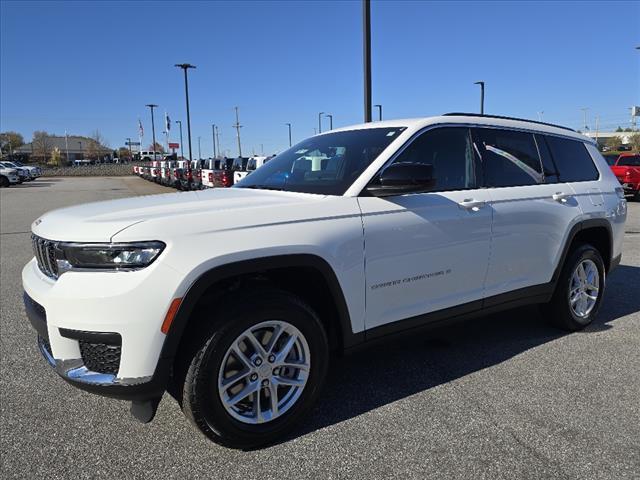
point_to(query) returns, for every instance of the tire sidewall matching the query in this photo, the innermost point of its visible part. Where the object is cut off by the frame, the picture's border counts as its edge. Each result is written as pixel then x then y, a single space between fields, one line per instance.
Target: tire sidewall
pixel 213 414
pixel 585 252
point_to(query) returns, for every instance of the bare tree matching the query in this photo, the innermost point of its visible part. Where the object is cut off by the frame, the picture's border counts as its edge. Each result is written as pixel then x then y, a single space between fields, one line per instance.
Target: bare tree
pixel 42 145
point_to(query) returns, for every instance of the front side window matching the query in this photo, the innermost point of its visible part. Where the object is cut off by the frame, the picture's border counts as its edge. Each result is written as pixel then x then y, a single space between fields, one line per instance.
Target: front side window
pixel 549 168
pixel 449 151
pixel 573 160
pixel 325 164
pixel 509 158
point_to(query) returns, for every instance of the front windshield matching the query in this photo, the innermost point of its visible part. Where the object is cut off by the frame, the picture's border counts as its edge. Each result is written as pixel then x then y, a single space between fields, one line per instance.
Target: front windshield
pixel 326 164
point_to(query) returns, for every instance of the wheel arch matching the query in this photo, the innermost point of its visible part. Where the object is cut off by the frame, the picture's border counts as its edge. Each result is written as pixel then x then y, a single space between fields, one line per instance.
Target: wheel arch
pixel 596 231
pixel 257 266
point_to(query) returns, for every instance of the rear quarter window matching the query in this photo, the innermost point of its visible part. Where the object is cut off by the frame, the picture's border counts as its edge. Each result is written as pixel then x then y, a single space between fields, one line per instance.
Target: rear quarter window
pixel 572 159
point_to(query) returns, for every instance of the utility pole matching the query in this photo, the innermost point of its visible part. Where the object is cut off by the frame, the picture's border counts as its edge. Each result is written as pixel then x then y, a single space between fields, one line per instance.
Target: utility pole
pixel 237 126
pixel 153 128
pixel 379 107
pixel 584 111
pixel 540 114
pixel 130 152
pixel 213 137
pixel 199 151
pixel 330 121
pixel 320 122
pixel 481 96
pixel 179 122
pixel 185 67
pixel 66 144
pixel 366 54
pixel 218 140
pixel 289 125
pixel 597 126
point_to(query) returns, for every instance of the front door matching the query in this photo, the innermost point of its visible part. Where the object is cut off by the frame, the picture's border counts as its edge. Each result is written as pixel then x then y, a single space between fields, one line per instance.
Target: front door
pixel 428 251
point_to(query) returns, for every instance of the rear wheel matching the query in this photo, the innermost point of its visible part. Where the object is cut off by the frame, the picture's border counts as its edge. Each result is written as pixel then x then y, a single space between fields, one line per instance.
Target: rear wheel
pixel 4 182
pixel 259 368
pixel 579 291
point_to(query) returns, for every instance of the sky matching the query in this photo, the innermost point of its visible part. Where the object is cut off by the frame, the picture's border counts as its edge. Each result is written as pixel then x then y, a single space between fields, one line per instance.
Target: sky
pixel 80 66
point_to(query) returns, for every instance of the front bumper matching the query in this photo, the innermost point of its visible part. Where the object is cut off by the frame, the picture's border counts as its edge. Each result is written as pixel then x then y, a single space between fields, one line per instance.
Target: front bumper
pixel 76 372
pixel 129 305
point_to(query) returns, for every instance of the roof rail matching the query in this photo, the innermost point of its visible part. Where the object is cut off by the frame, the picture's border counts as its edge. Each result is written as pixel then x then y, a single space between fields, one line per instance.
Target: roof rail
pixel 460 114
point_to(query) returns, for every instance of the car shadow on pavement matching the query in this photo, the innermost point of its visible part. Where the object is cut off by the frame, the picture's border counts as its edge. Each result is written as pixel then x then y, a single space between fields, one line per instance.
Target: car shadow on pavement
pixel 399 368
pixel 32 185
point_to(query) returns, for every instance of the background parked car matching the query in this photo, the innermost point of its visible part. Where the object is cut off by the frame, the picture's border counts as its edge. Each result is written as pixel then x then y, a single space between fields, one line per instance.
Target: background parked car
pixel 34 170
pixel 8 176
pixel 627 171
pixel 23 173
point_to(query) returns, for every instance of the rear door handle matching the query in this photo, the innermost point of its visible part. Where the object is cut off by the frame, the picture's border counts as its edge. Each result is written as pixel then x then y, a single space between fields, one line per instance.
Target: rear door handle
pixel 561 197
pixel 472 204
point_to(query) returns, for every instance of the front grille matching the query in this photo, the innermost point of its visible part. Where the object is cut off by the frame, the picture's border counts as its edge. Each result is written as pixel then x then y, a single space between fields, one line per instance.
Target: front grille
pixel 44 250
pixel 100 357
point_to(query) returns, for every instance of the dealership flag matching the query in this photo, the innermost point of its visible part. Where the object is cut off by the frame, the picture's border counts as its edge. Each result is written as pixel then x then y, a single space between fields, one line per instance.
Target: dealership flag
pixel 167 120
pixel 140 129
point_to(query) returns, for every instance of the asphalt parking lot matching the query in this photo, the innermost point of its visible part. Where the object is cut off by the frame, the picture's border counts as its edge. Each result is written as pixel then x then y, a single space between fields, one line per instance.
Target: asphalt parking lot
pixel 504 396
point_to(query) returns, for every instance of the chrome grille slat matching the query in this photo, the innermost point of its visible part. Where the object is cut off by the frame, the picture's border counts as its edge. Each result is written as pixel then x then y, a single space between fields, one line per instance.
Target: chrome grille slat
pixel 45 256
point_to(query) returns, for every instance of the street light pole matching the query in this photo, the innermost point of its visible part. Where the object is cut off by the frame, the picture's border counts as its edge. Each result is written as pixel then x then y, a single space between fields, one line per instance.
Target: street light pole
pixel 218 140
pixel 213 137
pixel 366 42
pixel 379 107
pixel 481 96
pixel 153 128
pixel 330 120
pixel 185 67
pixel 199 151
pixel 237 126
pixel 130 152
pixel 289 125
pixel 320 122
pixel 584 111
pixel 179 122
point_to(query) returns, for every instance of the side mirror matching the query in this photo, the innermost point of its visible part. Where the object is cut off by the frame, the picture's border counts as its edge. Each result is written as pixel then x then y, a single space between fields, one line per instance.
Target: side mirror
pixel 404 177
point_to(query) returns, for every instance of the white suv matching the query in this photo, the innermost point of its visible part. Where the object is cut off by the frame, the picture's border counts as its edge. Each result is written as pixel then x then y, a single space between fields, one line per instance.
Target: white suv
pixel 348 236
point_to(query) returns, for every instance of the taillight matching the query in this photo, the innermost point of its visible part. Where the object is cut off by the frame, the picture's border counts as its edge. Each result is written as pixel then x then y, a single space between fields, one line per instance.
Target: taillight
pixel 189 175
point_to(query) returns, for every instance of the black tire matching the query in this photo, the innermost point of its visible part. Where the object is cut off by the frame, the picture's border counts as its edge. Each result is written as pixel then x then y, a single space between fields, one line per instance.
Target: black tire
pixel 559 309
pixel 200 394
pixel 4 182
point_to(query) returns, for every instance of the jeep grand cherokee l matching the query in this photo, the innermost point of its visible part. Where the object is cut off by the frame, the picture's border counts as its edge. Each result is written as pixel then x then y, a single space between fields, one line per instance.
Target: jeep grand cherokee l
pixel 346 237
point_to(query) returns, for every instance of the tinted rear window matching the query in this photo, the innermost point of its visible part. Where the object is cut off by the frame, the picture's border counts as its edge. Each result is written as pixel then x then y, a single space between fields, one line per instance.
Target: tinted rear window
pixel 509 158
pixel 572 159
pixel 549 168
pixel 631 161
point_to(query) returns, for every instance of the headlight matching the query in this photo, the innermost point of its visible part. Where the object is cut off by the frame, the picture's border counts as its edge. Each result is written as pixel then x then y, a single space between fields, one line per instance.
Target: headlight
pixel 107 256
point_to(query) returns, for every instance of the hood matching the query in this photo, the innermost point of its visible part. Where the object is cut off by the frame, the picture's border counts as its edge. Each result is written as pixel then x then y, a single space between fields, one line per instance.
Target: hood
pixel 101 221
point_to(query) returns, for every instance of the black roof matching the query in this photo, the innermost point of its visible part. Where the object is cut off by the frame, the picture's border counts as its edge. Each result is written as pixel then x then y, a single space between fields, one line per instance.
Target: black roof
pixel 484 115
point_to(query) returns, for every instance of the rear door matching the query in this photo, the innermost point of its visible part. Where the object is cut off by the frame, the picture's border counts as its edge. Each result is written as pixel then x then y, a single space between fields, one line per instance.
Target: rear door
pixel 428 251
pixel 532 209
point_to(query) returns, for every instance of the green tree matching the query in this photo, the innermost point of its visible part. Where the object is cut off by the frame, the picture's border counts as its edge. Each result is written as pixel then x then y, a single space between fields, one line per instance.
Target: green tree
pixel 619 129
pixel 159 148
pixel 634 140
pixel 9 141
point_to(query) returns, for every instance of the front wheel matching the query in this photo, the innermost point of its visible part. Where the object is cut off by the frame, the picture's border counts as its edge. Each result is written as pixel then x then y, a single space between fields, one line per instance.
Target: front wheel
pixel 259 370
pixel 4 182
pixel 579 291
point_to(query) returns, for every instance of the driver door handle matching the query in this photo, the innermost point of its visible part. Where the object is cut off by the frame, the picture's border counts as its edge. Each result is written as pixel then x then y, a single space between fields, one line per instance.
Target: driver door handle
pixel 561 197
pixel 472 204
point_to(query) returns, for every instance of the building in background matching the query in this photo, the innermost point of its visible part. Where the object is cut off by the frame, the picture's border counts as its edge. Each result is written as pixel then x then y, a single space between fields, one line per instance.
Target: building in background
pixel 64 150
